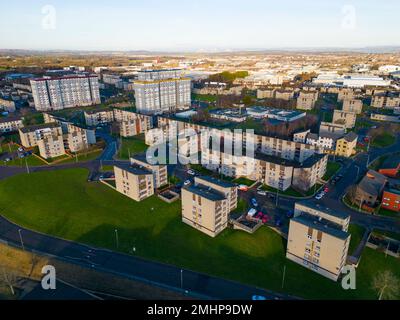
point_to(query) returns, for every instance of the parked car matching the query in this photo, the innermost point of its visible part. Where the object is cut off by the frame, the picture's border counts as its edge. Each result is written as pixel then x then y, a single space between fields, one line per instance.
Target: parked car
pixel 191 172
pixel 243 187
pixel 261 193
pixel 271 196
pixel 326 189
pixel 254 202
pixel 289 214
pixel 278 222
pixel 257 297
pixel 318 196
pixel 187 182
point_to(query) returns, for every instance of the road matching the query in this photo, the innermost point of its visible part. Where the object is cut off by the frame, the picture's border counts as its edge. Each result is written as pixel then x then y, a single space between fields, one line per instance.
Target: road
pixel 193 284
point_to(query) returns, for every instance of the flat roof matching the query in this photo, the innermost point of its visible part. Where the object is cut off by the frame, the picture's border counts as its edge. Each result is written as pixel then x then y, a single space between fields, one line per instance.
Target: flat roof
pixel 9 119
pixel 316 206
pixel 134 169
pixel 218 182
pixel 206 192
pixel 39 126
pixel 322 225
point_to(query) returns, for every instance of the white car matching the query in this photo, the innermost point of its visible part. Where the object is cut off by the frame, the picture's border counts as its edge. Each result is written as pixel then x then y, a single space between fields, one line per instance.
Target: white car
pixel 187 182
pixel 261 193
pixel 319 196
pixel 191 172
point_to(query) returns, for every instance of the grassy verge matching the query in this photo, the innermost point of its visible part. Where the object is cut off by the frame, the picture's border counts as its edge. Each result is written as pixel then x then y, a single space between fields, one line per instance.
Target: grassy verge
pixel 90 213
pixel 204 97
pixel 383 140
pixel 357 233
pixel 245 181
pixel 331 170
pixel 131 146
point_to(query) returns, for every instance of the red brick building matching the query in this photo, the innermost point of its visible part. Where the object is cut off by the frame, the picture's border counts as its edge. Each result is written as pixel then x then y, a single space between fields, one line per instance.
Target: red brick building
pixel 391 200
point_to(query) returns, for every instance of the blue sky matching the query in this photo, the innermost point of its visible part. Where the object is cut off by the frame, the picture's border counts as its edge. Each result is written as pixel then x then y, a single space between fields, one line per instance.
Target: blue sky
pixel 198 24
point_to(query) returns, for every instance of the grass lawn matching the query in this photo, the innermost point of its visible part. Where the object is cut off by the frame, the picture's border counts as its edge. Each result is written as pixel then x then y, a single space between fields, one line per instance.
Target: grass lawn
pixel 357 233
pixel 82 157
pixel 331 170
pixel 131 146
pixel 388 213
pixel 393 235
pixel 245 181
pixel 383 140
pixel 204 97
pixel 31 160
pixel 90 212
pixel 107 168
pixel 292 192
pixel 200 169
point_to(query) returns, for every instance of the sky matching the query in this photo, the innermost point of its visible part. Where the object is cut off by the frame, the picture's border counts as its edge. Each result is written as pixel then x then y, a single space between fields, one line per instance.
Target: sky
pixel 197 25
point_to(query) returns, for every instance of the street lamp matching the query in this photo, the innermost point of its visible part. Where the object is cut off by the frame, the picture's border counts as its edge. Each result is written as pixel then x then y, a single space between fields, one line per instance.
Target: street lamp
pixel 20 237
pixel 116 238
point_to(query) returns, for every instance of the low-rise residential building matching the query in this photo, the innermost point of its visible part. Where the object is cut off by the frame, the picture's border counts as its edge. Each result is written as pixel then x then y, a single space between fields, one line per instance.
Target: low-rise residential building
pixel 51 146
pixel 391 199
pixel 385 117
pixel 7 105
pixel 266 93
pixel 347 118
pixel 318 239
pixel 205 208
pixel 352 105
pixel 10 124
pixel 134 181
pixel 370 189
pixel 159 171
pixel 346 145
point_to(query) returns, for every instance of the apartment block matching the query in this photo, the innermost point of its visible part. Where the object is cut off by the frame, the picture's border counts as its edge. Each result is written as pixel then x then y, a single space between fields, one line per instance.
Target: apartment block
pixel 30 135
pixel 346 94
pixel 65 92
pixel 385 101
pixel 385 117
pixel 284 94
pixel 347 118
pixel 51 146
pixel 391 199
pixel 76 139
pixel 158 91
pixel 346 145
pixel 227 188
pixel 306 100
pixel 132 123
pixel 134 181
pixel 159 171
pixel 332 128
pixel 10 124
pixel 318 239
pixel 97 117
pixel 352 105
pixel 265 93
pixel 205 208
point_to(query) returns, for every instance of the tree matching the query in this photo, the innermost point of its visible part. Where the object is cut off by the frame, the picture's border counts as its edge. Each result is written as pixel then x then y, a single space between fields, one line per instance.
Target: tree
pixel 8 278
pixel 387 285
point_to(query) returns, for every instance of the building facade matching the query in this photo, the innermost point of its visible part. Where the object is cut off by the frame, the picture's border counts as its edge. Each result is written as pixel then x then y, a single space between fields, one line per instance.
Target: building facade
pixel 65 92
pixel 318 239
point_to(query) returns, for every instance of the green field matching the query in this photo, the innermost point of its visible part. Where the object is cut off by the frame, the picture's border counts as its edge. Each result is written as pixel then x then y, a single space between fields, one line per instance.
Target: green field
pixel 331 170
pixel 131 146
pixel 383 140
pixel 204 97
pixel 90 212
pixel 245 181
pixel 357 233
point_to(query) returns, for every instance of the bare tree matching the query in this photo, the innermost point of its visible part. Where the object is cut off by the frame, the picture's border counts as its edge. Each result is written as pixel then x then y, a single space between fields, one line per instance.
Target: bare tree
pixel 8 278
pixel 387 285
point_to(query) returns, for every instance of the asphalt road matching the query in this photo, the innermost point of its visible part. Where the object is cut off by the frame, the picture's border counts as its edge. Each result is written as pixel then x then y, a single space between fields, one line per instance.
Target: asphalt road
pixel 193 284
